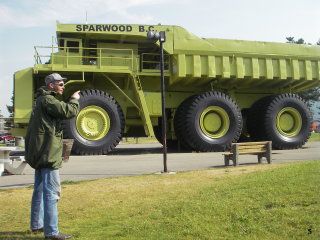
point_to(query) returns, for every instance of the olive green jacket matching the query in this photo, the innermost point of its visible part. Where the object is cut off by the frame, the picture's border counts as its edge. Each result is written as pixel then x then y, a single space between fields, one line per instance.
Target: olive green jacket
pixel 43 142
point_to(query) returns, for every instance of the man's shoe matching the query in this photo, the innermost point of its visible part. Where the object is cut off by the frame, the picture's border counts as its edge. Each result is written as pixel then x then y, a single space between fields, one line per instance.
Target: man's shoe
pixel 37 231
pixel 59 236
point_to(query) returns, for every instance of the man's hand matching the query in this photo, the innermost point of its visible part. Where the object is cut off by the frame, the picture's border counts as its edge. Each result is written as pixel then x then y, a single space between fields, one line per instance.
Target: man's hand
pixel 76 95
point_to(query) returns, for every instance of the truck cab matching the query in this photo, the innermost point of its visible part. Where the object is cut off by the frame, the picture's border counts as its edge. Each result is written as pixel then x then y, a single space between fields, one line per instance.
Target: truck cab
pixel 70 52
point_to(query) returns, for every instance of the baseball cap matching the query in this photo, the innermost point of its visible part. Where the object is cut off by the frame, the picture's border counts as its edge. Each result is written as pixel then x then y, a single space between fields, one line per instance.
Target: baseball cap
pixel 54 77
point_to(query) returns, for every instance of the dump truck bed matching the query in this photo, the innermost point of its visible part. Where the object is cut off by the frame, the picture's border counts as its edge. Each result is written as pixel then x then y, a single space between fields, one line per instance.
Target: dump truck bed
pixel 235 63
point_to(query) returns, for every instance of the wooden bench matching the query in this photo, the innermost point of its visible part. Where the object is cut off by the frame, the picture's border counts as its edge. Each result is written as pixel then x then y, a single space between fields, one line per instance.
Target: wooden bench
pixel 261 149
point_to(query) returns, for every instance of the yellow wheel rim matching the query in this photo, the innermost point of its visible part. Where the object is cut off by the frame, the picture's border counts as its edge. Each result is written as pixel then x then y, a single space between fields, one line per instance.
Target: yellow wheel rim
pixel 214 122
pixel 93 123
pixel 289 122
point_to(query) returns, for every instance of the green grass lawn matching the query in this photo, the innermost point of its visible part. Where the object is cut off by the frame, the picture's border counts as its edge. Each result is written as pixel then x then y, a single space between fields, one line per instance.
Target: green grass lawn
pixel 278 201
pixel 314 137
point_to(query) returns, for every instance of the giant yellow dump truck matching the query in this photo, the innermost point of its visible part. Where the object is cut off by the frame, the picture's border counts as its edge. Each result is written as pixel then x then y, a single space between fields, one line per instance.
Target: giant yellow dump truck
pixel 216 90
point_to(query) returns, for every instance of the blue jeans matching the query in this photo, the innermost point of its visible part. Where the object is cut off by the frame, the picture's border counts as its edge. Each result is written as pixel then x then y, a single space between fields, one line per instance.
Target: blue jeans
pixel 46 193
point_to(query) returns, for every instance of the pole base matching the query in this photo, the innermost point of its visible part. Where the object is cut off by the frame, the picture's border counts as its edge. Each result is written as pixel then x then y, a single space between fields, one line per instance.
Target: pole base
pixel 165 173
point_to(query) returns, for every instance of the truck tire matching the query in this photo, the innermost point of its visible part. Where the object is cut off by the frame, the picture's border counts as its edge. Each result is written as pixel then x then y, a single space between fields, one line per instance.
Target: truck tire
pixel 212 122
pixel 256 117
pixel 179 123
pixel 99 125
pixel 288 121
pixel 171 143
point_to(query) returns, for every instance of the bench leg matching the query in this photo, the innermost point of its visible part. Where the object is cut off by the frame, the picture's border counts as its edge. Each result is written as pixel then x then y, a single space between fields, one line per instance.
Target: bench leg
pixel 226 160
pixel 260 158
pixel 269 152
pixel 269 159
pixel 15 170
pixel 1 168
pixel 235 160
pixel 235 155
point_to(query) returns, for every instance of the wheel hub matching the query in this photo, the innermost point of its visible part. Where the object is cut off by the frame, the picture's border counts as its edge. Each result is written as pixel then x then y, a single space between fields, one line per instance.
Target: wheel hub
pixel 289 122
pixel 93 123
pixel 214 122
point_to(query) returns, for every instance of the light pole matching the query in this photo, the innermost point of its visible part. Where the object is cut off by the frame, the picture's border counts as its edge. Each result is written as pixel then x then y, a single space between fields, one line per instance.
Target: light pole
pixel 161 37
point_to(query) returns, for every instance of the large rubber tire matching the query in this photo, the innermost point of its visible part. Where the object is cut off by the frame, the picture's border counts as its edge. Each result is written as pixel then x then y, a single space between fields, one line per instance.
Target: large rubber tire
pixel 256 119
pixel 99 125
pixel 158 133
pixel 212 122
pixel 171 143
pixel 288 122
pixel 179 123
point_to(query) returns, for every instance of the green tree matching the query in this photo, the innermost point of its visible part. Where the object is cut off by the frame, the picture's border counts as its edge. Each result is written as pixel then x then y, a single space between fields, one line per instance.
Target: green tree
pixel 10 108
pixel 299 41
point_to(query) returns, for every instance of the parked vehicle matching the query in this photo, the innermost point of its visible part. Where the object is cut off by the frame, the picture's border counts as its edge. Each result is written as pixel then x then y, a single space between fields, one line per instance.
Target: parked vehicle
pixel 216 90
pixel 6 136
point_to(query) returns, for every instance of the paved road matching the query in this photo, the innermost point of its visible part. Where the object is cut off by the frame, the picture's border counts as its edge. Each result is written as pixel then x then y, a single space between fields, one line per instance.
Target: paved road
pixel 136 159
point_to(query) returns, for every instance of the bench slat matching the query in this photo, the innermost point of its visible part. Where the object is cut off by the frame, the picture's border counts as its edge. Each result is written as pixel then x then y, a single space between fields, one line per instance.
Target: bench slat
pixel 256 152
pixel 241 153
pixel 252 149
pixel 250 143
pixel 260 145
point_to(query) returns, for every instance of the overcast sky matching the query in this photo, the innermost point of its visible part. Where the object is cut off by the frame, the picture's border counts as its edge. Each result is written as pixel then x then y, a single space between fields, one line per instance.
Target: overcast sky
pixel 24 24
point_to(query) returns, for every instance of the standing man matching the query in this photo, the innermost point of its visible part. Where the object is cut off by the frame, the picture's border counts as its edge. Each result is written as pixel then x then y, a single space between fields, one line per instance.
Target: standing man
pixel 43 152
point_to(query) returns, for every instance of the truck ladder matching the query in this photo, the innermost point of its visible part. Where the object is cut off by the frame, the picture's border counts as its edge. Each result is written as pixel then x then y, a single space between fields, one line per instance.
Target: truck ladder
pixel 144 112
